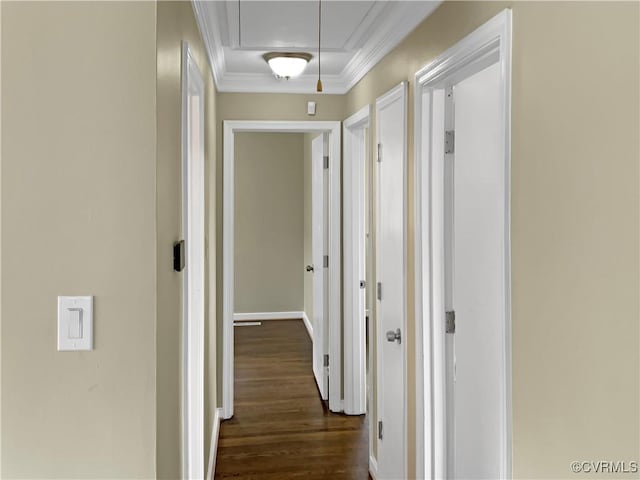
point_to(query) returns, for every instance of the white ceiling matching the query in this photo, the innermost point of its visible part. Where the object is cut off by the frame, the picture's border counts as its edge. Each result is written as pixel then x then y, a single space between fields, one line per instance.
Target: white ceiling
pixel 355 36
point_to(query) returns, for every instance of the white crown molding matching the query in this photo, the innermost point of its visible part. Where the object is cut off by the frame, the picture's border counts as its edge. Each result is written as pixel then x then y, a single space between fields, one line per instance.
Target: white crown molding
pixel 211 38
pixel 391 25
pixel 358 37
pixel 400 22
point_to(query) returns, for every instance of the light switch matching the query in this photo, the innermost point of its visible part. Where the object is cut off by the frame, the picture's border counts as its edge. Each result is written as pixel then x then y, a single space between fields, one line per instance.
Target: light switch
pixel 75 323
pixel 311 108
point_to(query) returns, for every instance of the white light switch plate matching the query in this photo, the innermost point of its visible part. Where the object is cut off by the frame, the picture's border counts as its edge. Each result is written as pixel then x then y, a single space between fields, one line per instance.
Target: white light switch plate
pixel 75 323
pixel 311 108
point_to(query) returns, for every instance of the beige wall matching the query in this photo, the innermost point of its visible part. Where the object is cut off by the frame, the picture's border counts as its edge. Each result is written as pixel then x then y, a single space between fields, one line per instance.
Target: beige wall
pixel 269 229
pixel 279 106
pixel 103 218
pixel 78 218
pixel 106 172
pixel 575 211
pixel 176 23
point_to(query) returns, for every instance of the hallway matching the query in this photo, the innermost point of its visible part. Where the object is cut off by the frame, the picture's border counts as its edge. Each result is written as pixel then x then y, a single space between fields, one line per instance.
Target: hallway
pixel 281 429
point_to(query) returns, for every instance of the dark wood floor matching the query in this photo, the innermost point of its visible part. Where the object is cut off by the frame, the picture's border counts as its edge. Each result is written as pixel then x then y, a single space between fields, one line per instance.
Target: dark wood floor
pixel 281 429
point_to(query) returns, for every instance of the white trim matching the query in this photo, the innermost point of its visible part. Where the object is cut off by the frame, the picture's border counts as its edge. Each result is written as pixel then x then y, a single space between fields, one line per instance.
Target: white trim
pixel 488 44
pixel 384 33
pixel 307 325
pixel 1 243
pixel 399 92
pixel 240 317
pixel 259 316
pixel 403 22
pixel 228 274
pixel 213 448
pixel 193 314
pixel 210 38
pixel 354 259
pixel 373 465
pixel 184 444
pixel 360 119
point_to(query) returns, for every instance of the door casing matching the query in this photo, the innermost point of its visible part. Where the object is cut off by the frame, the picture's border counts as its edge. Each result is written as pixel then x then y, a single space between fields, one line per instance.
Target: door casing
pixel 193 284
pixel 334 315
pixel 489 44
pixel 354 210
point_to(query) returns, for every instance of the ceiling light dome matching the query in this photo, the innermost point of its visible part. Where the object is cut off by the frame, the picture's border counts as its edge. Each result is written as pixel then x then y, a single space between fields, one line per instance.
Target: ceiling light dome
pixel 287 64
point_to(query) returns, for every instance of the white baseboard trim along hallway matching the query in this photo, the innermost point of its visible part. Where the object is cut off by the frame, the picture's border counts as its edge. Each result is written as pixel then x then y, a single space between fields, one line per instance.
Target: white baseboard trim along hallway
pixel 213 449
pixel 373 467
pixel 267 316
pixel 296 315
pixel 307 323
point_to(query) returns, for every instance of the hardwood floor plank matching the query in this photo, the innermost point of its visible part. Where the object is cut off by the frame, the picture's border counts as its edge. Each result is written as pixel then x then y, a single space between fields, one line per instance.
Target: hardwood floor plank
pixel 281 428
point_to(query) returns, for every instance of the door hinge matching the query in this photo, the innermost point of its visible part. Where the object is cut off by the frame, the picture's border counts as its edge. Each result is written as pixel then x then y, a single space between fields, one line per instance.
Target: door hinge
pixel 450 321
pixel 380 429
pixel 379 152
pixel 325 261
pixel 326 161
pixel 449 141
pixel 363 284
pixel 326 360
pixel 379 291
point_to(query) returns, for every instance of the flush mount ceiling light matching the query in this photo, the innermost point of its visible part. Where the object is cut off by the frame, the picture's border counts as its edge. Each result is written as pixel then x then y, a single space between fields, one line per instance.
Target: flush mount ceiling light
pixel 287 64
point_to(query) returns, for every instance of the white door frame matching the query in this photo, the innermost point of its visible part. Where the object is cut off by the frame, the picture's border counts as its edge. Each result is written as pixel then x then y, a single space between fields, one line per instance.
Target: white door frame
pixel 193 207
pixel 354 210
pixel 399 92
pixel 319 249
pixel 228 275
pixel 487 45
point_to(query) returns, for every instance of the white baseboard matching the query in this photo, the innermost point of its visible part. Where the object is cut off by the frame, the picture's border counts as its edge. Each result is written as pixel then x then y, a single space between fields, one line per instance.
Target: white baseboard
pixel 373 468
pixel 213 451
pixel 267 316
pixel 307 324
pixel 243 317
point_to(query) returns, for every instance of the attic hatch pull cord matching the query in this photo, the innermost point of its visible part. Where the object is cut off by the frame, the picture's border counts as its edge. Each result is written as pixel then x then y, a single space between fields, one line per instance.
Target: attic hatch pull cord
pixel 319 84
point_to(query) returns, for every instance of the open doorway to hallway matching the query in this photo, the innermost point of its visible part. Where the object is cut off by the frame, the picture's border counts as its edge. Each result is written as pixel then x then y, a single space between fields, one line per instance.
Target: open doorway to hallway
pixel 284 411
pixel 327 336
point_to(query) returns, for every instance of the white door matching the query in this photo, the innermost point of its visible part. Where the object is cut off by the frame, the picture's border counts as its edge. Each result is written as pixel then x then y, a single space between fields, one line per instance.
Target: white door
pixel 475 277
pixel 390 283
pixel 193 275
pixel 319 250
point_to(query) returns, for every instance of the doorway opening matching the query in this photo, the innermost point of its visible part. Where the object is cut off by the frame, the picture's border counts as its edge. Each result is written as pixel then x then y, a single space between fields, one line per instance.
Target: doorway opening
pixel 359 280
pixel 279 373
pixel 390 287
pixel 327 335
pixel 463 339
pixel 357 260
